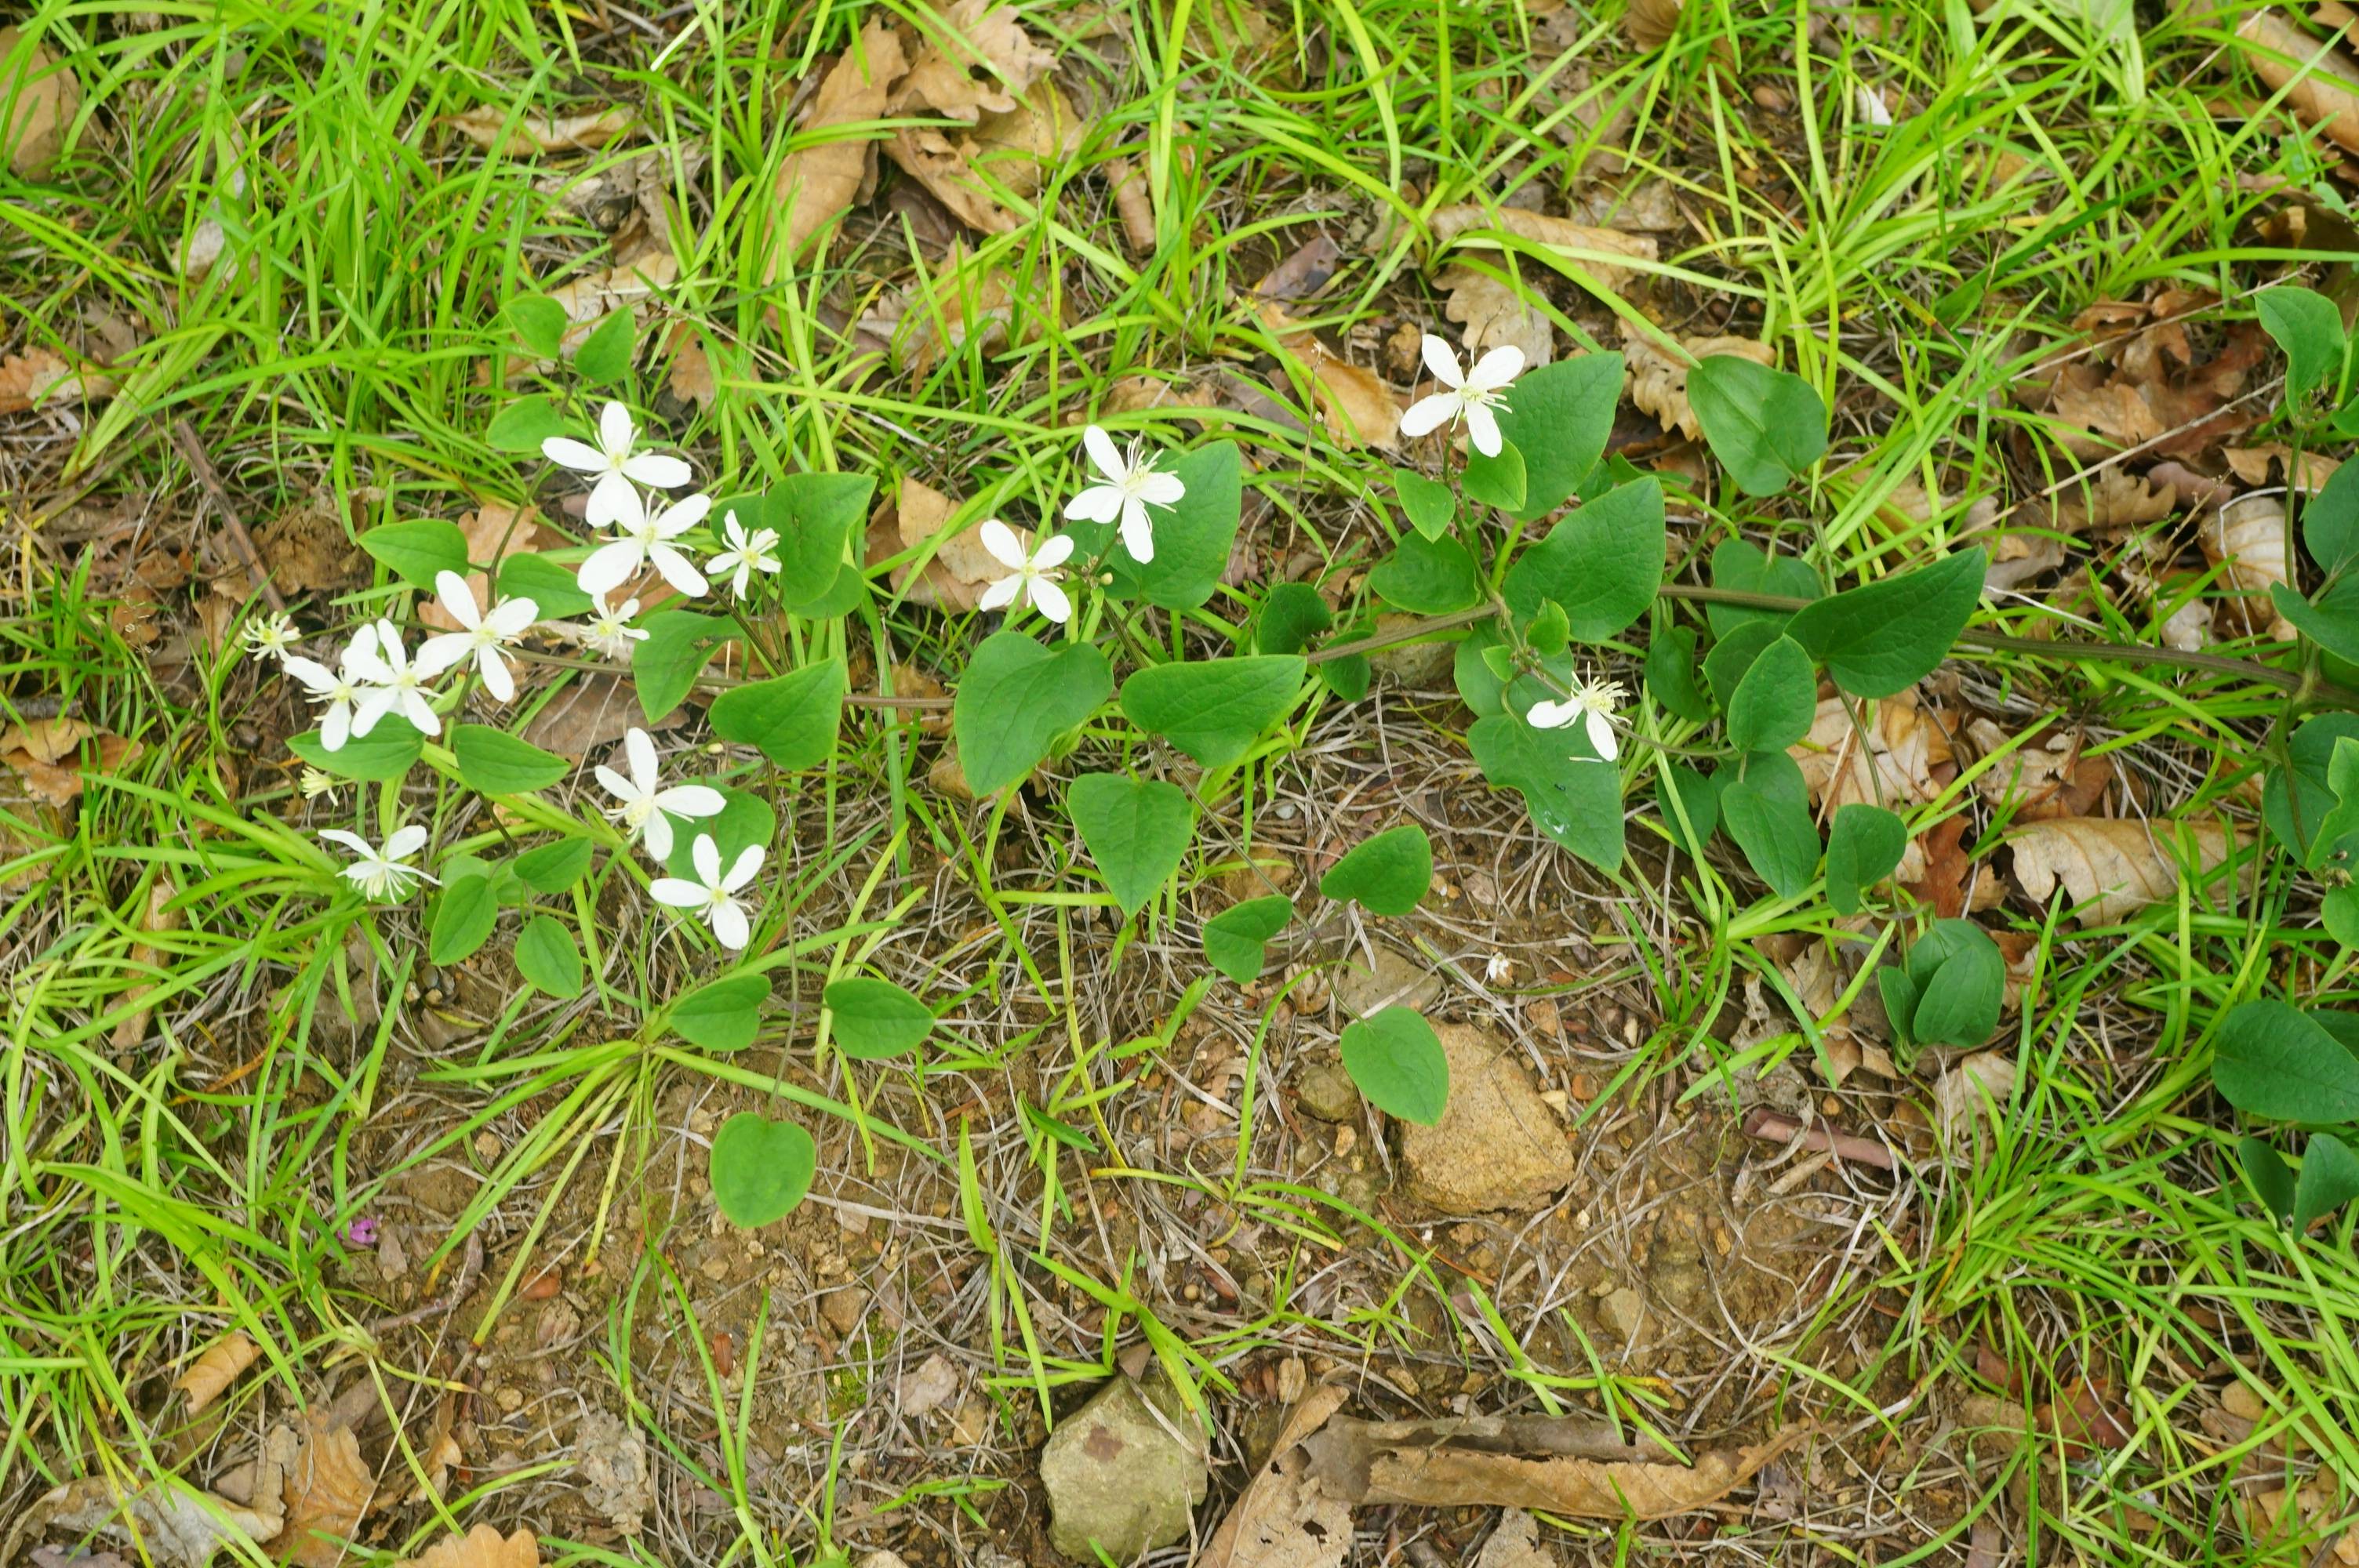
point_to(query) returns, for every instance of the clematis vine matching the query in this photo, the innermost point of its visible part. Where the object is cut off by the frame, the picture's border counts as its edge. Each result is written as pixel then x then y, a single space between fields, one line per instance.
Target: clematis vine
pixel 1476 397
pixel 713 896
pixel 615 465
pixel 1031 574
pixel 1131 485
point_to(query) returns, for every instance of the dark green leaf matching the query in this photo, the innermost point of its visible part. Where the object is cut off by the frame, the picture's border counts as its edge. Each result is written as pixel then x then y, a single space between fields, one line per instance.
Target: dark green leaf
pixel 1291 614
pixel 1192 539
pixel 2272 1182
pixel 385 752
pixel 1427 577
pixel 541 322
pixel 496 762
pixel 552 867
pixel 2329 1176
pixel 1740 567
pixel 2309 327
pixel 1213 709
pixel 2296 801
pixel 1958 999
pixel 1603 562
pixel 2270 1060
pixel 1572 798
pixel 667 661
pixel 1671 674
pixel 2331 622
pixel 1550 631
pixel 850 592
pixel 1887 635
pixel 1016 698
pixel 1397 1061
pixel 875 1018
pixel 1387 874
pixel 1863 848
pixel 1731 659
pixel 1500 480
pixel 1558 418
pixel 760 1169
pixel 746 818
pixel 521 425
pixel 604 355
pixel 1773 705
pixel 545 957
pixel 1430 506
pixel 725 1016
pixel 550 587
pixel 1771 826
pixel 462 919
pixel 1765 425
pixel 1237 939
pixel 415 552
pixel 1698 796
pixel 1136 830
pixel 792 719
pixel 2330 522
pixel 814 516
pixel 1898 993
pixel 2339 912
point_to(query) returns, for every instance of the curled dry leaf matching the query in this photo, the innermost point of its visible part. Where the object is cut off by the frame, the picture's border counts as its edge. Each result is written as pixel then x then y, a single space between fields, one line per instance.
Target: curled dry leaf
pixel 978 59
pixel 957 571
pixel 691 380
pixel 1495 314
pixel 2112 498
pixel 53 755
pixel 38 377
pixel 1536 1463
pixel 328 1490
pixel 1603 253
pixel 494 531
pixel 1898 755
pixel 1280 1521
pixel 217 1369
pixel 2325 94
pixel 644 266
pixel 2252 465
pixel 2041 780
pixel 178 1529
pixel 2145 388
pixel 817 183
pixel 2109 867
pixel 1006 153
pixel 1652 23
pixel 2247 540
pixel 39 97
pixel 489 127
pixel 1134 205
pixel 1356 406
pixel 482 1547
pixel 1658 379
pixel 1967 1090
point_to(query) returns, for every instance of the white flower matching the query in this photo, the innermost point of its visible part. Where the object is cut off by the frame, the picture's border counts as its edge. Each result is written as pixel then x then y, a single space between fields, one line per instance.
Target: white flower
pixel 1591 704
pixel 1472 395
pixel 609 632
pixel 380 874
pixel 1873 110
pixel 616 464
pixel 1131 486
pixel 646 536
pixel 340 688
pixel 711 896
pixel 271 636
pixel 1030 576
pixel 487 632
pixel 1500 970
pixel 391 683
pixel 744 556
pixel 315 784
pixel 645 801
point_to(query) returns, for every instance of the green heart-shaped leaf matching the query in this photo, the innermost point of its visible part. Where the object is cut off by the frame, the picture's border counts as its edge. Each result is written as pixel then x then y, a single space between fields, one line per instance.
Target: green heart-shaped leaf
pixel 1213 709
pixel 760 1169
pixel 875 1018
pixel 1236 940
pixel 1387 874
pixel 1765 425
pixel 1881 638
pixel 2273 1061
pixel 1397 1061
pixel 725 1016
pixel 545 957
pixel 1016 698
pixel 1136 830
pixel 793 719
pixel 1603 562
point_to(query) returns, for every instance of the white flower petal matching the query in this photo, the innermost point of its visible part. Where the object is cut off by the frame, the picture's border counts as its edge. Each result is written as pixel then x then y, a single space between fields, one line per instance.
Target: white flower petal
pixel 692 800
pixel 512 618
pixel 1482 430
pixel 1440 362
pixel 615 783
pixel 493 671
pixel 1053 553
pixel 567 453
pixel 457 599
pixel 442 651
pixel 1001 593
pixel 639 749
pixel 615 431
pixel 406 842
pixel 1495 369
pixel 336 727
pixel 310 673
pixel 610 567
pixel 681 515
pixel 352 841
pixel 1550 714
pixel 655 837
pixel 1601 737
pixel 1050 600
pixel 730 926
pixel 658 471
pixel 742 869
pixel 615 503
pixel 678 571
pixel 1137 530
pixel 1101 449
pixel 1001 541
pixel 1162 489
pixel 678 893
pixel 1429 413
pixel 1098 503
pixel 706 858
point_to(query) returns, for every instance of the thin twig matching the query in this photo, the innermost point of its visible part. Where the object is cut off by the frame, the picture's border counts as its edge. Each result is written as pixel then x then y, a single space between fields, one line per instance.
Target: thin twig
pixel 1770 1127
pixel 210 478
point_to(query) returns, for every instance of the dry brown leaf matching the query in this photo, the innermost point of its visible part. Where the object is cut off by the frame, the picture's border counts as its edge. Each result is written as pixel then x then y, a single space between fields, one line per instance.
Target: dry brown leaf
pixel 957 571
pixel 482 1547
pixel 2038 781
pixel 978 59
pixel 1546 1465
pixel 52 755
pixel 1010 152
pixel 1658 378
pixel 817 183
pixel 2115 498
pixel 2110 866
pixel 494 531
pixel 1301 272
pixel 2246 539
pixel 216 1370
pixel 45 96
pixel 1895 756
pixel 177 1530
pixel 1279 1520
pixel 329 1489
pixel 47 740
pixel 1604 252
pixel 2251 464
pixel 1356 406
pixel 38 377
pixel 592 713
pixel 1967 1090
pixel 1516 1544
pixel 691 367
pixel 156 915
pixel 1134 205
pixel 1652 23
pixel 2326 94
pixel 964 299
pixel 2152 395
pixel 488 127
pixel 1495 314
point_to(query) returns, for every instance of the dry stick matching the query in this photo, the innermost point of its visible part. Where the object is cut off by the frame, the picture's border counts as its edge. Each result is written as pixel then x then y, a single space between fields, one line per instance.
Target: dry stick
pixel 1772 1128
pixel 210 478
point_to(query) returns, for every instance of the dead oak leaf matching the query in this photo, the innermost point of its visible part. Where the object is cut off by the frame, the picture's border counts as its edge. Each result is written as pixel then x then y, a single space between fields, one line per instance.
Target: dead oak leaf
pixel 328 1491
pixel 593 712
pixel 492 128
pixel 2038 781
pixel 494 531
pixel 1356 406
pixel 978 59
pixel 37 376
pixel 40 96
pixel 1652 23
pixel 1658 379
pixel 1004 159
pixel 482 1547
pixel 1494 315
pixel 2110 866
pixel 176 1529
pixel 1604 255
pixel 819 182
pixel 955 572
pixel 1894 754
pixel 216 1370
pixel 2247 540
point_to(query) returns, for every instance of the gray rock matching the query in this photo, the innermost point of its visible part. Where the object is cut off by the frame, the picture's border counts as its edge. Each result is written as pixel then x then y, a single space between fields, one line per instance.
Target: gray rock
pixel 1324 1090
pixel 1498 1146
pixel 1625 1309
pixel 1395 981
pixel 1123 1471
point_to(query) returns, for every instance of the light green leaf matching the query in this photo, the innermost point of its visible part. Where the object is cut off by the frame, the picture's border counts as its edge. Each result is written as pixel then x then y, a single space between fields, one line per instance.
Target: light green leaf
pixel 1559 417
pixel 1136 830
pixel 1397 1061
pixel 2309 327
pixel 1671 674
pixel 1499 479
pixel 725 1016
pixel 1863 848
pixel 1958 999
pixel 540 322
pixel 2272 1182
pixel 1192 539
pixel 1885 636
pixel 1213 709
pixel 493 762
pixel 1427 577
pixel 1428 503
pixel 552 867
pixel 793 719
pixel 1773 703
pixel 1740 567
pixel 1731 659
pixel 1767 813
pixel 463 917
pixel 551 588
pixel 760 1169
pixel 815 515
pixel 876 1019
pixel 388 752
pixel 1236 940
pixel 604 355
pixel 1016 698
pixel 1603 562
pixel 546 957
pixel 1573 798
pixel 1387 874
pixel 667 661
pixel 415 552
pixel 2296 801
pixel 2329 1176
pixel 744 818
pixel 1765 425
pixel 523 424
pixel 2330 522
pixel 2272 1061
